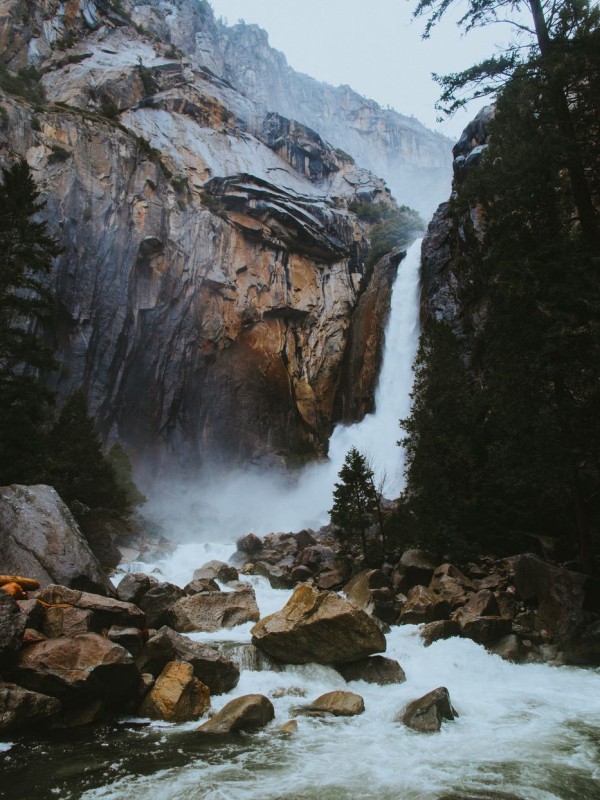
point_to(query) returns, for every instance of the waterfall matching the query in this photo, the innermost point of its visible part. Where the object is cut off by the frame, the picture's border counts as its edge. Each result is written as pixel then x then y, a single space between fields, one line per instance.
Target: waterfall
pixel 376 435
pixel 243 501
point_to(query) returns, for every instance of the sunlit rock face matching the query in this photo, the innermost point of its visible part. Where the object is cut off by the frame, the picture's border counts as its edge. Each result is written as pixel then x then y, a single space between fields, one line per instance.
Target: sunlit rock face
pixel 211 266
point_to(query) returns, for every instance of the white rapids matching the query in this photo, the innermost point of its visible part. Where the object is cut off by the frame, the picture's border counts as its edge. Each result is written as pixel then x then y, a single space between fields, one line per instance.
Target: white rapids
pixel 532 731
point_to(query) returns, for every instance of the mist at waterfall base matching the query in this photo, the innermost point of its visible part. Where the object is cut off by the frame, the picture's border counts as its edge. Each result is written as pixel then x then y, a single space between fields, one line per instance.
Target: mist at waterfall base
pixel 234 503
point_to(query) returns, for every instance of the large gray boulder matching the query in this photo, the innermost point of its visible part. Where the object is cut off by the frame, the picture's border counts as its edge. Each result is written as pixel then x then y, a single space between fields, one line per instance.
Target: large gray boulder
pixel 220 674
pixel 318 627
pixel 40 539
pixel 212 611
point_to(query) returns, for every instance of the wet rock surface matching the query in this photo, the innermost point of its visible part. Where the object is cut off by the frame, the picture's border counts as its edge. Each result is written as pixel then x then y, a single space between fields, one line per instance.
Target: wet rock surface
pixel 39 538
pixel 320 627
pixel 217 672
pixel 176 696
pixel 211 611
pixel 246 713
pixel 337 703
pixel 426 714
pixel 374 669
pixel 21 708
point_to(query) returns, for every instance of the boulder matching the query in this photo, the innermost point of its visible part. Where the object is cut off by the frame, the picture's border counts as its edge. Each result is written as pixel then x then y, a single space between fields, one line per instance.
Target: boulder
pixel 40 538
pixel 359 590
pixel 34 612
pixel 213 611
pixel 31 636
pixel 481 604
pixel 14 590
pixel 158 601
pixel 106 610
pixel 300 574
pixel 277 577
pixel 249 544
pixel 558 593
pixel 177 696
pixel 305 538
pixel 449 583
pixel 318 627
pixel 132 639
pixel 202 585
pixel 12 626
pixel 331 579
pixel 318 557
pixel 441 629
pixel 134 586
pixel 374 669
pixel 339 704
pixel 418 567
pixel 426 714
pixel 220 674
pixel 216 570
pixel 508 647
pixel 484 629
pixel 423 605
pixel 288 728
pixel 479 619
pixel 84 668
pixel 69 621
pixel 20 707
pixel 246 713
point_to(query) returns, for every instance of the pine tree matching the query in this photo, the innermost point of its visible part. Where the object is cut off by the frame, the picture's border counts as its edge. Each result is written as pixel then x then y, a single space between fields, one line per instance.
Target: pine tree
pixel 355 502
pixel 556 33
pixel 26 255
pixel 441 445
pixel 121 464
pixel 76 466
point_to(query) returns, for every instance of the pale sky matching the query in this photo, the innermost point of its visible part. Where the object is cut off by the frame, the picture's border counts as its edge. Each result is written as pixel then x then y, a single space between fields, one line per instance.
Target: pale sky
pixel 373 45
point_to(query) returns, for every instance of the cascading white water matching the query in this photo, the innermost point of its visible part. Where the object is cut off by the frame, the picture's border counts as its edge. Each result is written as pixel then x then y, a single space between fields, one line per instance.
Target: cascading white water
pixel 231 505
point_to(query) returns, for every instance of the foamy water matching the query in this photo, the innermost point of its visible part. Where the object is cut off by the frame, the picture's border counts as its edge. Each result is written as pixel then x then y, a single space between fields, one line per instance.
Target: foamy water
pixel 532 730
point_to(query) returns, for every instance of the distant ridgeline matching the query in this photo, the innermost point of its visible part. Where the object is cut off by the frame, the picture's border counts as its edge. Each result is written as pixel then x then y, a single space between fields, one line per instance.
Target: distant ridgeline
pixel 504 436
pixel 212 253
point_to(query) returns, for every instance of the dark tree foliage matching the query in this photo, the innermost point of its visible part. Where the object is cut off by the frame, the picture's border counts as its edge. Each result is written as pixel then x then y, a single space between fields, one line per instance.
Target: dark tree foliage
pixel 441 449
pixel 547 52
pixel 532 451
pixel 26 255
pixel 355 502
pixel 76 466
pixel 119 461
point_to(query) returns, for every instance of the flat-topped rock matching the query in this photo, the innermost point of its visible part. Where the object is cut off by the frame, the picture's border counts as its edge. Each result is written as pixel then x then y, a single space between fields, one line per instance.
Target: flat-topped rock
pixel 107 611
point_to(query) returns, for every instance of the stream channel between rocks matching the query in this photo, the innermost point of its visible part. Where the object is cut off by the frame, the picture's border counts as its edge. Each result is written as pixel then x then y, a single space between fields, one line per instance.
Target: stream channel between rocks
pixel 530 731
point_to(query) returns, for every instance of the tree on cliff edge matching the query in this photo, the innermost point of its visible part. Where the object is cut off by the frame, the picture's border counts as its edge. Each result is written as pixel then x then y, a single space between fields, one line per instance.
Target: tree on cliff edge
pixel 556 33
pixel 26 255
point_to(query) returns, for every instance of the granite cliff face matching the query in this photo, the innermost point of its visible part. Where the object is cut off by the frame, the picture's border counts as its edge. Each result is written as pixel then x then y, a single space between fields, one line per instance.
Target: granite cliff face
pixel 211 266
pixel 413 160
pixel 450 236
